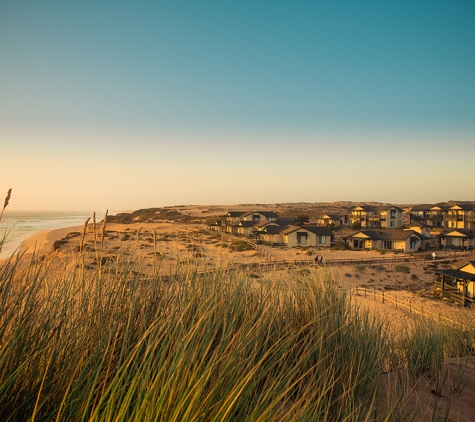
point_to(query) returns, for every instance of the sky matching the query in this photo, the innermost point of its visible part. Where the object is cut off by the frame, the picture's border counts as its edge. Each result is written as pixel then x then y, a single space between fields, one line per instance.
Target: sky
pixel 126 105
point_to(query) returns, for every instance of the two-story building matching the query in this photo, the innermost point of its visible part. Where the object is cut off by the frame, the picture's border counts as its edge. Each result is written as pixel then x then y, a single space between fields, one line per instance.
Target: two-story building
pixel 460 216
pixel 453 215
pixel 377 217
pixel 332 220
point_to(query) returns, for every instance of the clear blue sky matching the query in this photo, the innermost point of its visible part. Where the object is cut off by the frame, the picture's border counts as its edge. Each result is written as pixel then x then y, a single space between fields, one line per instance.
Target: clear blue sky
pixel 125 105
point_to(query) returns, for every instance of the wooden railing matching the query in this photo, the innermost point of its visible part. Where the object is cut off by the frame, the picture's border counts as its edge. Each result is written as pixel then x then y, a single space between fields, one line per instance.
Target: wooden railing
pixel 410 306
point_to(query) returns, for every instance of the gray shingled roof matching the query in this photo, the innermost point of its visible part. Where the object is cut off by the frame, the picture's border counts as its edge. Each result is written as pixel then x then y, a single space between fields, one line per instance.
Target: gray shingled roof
pixel 235 213
pixel 319 230
pixel 422 207
pixel 274 229
pixel 268 214
pixel 390 234
pixel 332 216
pixel 457 274
pixel 247 223
pixel 465 207
pixel 378 207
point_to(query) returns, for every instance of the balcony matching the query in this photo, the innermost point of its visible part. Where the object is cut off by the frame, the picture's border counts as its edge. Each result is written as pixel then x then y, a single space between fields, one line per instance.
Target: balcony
pixel 455 218
pixel 418 217
pixel 435 217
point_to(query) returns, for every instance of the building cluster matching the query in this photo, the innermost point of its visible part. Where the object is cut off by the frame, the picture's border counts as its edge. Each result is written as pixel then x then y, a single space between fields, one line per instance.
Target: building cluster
pixel 448 216
pixel 267 227
pixel 376 227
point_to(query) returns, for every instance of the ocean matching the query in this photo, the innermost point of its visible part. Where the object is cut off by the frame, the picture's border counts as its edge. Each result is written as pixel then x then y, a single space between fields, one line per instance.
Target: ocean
pixel 18 226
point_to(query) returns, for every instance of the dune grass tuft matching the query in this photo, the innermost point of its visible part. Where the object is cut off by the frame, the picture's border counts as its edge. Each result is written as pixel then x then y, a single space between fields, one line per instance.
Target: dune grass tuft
pixel 209 346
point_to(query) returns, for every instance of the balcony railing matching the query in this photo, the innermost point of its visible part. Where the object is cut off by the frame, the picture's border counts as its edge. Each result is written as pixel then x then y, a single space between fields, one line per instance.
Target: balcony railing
pixel 455 217
pixel 435 217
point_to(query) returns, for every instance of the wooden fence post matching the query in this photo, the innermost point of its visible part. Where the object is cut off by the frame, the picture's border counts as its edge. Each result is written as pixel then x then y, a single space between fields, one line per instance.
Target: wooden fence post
pixel 383 297
pixel 410 306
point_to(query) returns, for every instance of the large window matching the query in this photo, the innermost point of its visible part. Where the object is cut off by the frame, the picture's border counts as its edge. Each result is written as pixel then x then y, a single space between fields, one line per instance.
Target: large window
pixel 302 238
pixel 322 239
pixel 387 244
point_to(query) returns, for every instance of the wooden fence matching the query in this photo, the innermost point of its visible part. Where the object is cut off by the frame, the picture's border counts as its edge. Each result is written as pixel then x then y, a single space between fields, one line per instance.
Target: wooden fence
pixel 409 306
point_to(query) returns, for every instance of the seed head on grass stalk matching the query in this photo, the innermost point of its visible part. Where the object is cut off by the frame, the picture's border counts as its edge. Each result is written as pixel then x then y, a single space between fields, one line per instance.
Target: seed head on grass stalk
pixel 83 235
pixel 104 224
pixel 7 201
pixel 94 226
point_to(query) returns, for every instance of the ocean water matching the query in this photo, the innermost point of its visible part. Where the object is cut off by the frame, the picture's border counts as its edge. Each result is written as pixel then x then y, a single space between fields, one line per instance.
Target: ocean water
pixel 17 226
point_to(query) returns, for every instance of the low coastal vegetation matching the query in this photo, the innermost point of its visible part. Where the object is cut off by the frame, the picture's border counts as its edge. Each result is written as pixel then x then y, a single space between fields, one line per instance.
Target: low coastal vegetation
pixel 127 340
pixel 212 345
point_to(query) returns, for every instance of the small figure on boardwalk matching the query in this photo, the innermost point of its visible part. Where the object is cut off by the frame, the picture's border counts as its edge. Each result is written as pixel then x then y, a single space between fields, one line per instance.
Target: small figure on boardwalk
pixel 317 260
pixel 433 256
pixel 321 259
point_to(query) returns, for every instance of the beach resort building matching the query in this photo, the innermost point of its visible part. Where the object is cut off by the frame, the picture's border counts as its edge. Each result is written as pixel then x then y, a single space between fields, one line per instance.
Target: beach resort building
pixel 258 216
pixel 307 236
pixel 391 240
pixel 463 239
pixel 332 220
pixel 460 216
pixel 454 215
pixel 376 217
pixel 457 284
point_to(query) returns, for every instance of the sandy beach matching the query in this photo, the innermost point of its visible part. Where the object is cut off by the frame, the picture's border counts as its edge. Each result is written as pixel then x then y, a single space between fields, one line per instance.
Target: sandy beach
pixel 172 242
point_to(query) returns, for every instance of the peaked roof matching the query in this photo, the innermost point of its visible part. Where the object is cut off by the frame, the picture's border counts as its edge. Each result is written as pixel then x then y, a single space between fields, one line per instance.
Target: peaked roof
pixel 465 264
pixel 465 207
pixel 390 234
pixel 270 214
pixel 377 207
pixel 332 216
pixel 364 207
pixel 319 230
pixel 246 223
pixel 264 223
pixel 440 205
pixel 464 232
pixel 274 229
pixel 418 224
pixel 234 213
pixel 422 207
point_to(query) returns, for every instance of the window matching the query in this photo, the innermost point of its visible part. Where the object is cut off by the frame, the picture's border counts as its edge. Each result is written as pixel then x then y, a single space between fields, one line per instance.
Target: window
pixel 413 242
pixel 322 239
pixel 302 238
pixel 387 244
pixel 399 223
pixel 256 217
pixel 392 224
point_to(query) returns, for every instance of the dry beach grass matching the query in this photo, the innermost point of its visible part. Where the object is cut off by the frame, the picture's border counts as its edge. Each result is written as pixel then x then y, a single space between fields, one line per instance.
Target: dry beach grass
pixel 158 321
